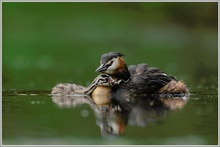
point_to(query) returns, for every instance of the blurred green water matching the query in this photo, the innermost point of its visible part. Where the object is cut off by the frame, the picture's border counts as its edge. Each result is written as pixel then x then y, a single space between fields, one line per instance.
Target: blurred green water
pixel 37 120
pixel 48 43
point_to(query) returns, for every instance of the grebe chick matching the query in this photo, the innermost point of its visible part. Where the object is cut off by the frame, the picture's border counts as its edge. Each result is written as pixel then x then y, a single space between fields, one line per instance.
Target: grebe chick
pixel 138 79
pixel 71 89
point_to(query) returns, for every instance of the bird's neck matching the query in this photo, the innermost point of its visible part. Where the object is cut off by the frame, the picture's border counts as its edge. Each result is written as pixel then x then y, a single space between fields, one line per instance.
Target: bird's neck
pixel 122 73
pixel 88 90
pixel 85 90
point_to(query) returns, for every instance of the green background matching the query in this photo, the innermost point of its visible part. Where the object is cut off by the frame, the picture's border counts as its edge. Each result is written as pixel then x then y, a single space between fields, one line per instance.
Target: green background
pixel 51 42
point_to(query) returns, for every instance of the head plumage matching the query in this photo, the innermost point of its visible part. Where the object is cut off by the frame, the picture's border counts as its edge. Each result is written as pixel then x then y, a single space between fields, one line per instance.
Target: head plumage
pixel 108 56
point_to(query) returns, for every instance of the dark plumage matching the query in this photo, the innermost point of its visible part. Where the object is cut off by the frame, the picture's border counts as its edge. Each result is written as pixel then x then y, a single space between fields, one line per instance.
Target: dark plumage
pixel 138 80
pixel 107 57
pixel 143 81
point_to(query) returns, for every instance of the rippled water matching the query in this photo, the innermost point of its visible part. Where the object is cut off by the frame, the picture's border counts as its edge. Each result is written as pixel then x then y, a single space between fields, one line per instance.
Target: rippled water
pixel 35 117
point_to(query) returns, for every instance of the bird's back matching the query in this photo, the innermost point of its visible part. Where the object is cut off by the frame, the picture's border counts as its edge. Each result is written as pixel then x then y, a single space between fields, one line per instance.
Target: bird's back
pixel 144 80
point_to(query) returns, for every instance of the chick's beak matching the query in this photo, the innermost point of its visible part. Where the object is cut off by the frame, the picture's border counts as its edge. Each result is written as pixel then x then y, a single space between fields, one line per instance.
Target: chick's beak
pixel 101 68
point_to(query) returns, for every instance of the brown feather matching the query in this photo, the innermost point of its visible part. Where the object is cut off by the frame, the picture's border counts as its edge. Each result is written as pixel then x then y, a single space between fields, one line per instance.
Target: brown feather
pixel 174 87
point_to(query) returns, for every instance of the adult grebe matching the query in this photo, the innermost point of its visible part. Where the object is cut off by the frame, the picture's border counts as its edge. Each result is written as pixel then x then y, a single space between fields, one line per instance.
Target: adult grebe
pixel 138 79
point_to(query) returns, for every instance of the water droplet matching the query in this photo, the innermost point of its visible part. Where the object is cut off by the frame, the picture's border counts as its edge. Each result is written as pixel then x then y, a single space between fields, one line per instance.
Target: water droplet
pixel 151 103
pixel 33 94
pixel 84 113
pixel 196 98
pixel 22 94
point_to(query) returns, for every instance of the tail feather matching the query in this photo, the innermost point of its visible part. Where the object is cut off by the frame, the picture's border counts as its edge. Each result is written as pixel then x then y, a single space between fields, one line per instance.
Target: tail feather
pixel 174 87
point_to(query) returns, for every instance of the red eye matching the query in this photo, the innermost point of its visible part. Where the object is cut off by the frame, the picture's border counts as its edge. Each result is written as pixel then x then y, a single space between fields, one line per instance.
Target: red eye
pixel 109 80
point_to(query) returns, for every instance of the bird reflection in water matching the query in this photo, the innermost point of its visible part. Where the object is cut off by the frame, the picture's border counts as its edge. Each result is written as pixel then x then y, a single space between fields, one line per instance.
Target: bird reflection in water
pixel 113 117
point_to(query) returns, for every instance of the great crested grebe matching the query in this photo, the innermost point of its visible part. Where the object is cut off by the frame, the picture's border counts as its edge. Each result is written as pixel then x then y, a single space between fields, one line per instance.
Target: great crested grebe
pixel 137 79
pixel 71 89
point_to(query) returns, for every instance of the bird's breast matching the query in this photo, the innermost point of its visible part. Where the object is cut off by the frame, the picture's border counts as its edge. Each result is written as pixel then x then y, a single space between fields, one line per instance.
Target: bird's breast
pixel 101 95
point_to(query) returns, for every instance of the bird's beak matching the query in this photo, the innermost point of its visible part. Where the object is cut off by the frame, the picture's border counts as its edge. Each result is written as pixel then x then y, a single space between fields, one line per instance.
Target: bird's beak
pixel 101 68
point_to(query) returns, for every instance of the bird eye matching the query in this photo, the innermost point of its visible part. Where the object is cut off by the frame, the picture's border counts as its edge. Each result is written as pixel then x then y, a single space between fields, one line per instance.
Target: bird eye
pixel 109 63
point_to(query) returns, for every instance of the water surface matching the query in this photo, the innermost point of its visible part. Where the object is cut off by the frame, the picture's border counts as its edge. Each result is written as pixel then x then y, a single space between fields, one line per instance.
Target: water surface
pixel 38 118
